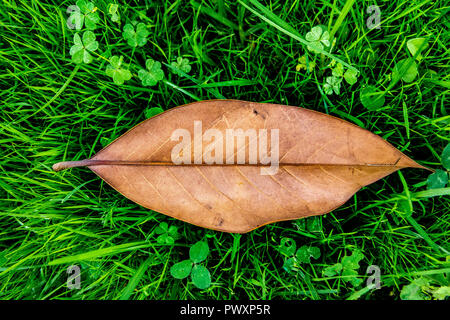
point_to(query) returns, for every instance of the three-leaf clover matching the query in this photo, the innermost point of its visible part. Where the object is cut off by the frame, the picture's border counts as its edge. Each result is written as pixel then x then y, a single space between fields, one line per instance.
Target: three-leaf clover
pixel 332 83
pixel 85 12
pixel 181 64
pixel 302 255
pixel 136 37
pixel 115 70
pixel 347 268
pixel 200 275
pixel 318 38
pixel 113 11
pixel 167 235
pixel 80 50
pixel 153 74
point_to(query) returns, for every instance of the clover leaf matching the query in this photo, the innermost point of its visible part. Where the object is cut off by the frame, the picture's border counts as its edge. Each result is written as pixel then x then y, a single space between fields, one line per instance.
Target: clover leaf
pixel 199 252
pixel 405 69
pixel 181 269
pixel 333 83
pixel 347 268
pixel 445 157
pixel 80 50
pixel 85 13
pixel 136 37
pixel 113 11
pixel 351 76
pixel 287 247
pixel 181 64
pixel 115 70
pixel 200 275
pixel 439 179
pixel 167 235
pixel 416 44
pixel 305 253
pixel 317 39
pixel 152 75
pixel 371 98
pixel 305 65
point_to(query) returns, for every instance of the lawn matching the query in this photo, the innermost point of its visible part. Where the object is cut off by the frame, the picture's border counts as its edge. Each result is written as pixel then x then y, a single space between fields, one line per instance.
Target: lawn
pixel 66 93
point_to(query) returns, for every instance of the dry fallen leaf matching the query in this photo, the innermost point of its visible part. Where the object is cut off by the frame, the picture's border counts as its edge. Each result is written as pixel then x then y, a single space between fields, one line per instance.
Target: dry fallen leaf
pixel 323 161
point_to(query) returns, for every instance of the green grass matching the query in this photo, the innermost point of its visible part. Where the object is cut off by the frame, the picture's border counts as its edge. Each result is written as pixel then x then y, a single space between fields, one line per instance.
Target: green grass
pixel 52 110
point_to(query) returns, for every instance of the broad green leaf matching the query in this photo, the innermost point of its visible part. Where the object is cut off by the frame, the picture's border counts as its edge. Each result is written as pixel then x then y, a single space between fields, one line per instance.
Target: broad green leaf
pixel 436 180
pixel 414 45
pixel 115 70
pixel 201 277
pixel 181 269
pixel 153 112
pixel 371 98
pixel 406 69
pixel 287 247
pixel 165 239
pixel 199 251
pixel 445 157
pixel 136 37
pixel 152 74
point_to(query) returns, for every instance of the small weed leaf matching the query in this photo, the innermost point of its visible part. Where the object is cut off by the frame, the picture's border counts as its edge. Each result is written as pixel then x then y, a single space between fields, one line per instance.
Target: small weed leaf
pixel 416 44
pixel 115 70
pixel 318 39
pixel 80 50
pixel 86 14
pixel 135 38
pixel 445 157
pixel 333 84
pixel 151 112
pixel 371 98
pixel 287 247
pixel 113 11
pixel 351 77
pixel 153 74
pixel 181 269
pixel 405 69
pixel 441 293
pixel 439 179
pixel 201 277
pixel 304 254
pixel 162 228
pixel 199 251
pixel 181 64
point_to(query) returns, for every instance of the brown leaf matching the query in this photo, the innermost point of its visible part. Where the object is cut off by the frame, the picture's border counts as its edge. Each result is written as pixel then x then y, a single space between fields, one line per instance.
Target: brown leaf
pixel 323 161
